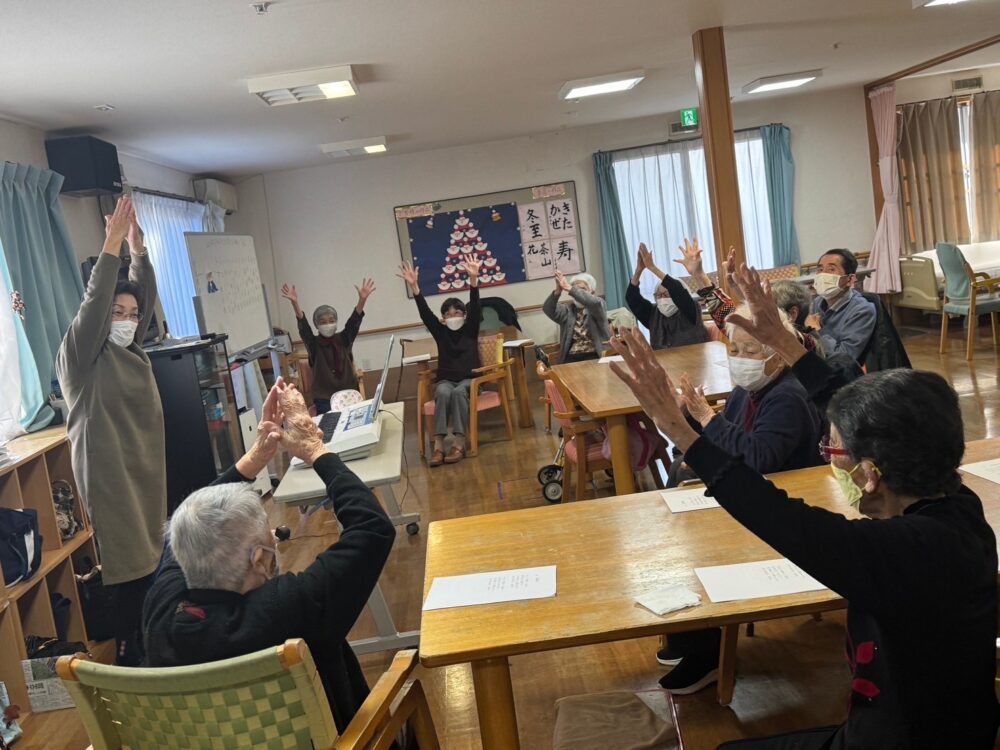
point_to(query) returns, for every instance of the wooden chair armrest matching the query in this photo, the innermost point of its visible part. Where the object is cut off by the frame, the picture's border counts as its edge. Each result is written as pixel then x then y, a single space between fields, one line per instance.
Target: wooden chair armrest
pixel 496 376
pixel 495 367
pixel 988 283
pixel 375 709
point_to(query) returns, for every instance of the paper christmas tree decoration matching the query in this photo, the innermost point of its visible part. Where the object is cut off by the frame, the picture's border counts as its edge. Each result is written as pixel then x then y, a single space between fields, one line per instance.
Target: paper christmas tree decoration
pixel 465 240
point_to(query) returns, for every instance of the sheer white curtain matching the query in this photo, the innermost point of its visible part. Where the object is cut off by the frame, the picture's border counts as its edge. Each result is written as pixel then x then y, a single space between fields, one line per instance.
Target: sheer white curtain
pixel 165 220
pixel 663 192
pixel 10 369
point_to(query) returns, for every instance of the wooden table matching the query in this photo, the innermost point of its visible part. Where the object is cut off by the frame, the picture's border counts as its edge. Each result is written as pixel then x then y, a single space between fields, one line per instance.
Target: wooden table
pixel 517 350
pixel 601 394
pixel 607 552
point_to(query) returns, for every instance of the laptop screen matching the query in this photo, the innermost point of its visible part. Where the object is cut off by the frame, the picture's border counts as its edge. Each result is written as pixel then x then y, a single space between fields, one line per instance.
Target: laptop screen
pixel 377 401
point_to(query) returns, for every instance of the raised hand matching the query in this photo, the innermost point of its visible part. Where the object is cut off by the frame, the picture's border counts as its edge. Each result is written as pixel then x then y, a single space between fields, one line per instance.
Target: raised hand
pixel 729 267
pixel 691 257
pixel 651 385
pixel 302 437
pixel 269 436
pixel 765 322
pixel 695 402
pixel 289 292
pixel 562 285
pixel 135 236
pixel 410 275
pixel 365 290
pixel 118 225
pixel 646 257
pixel 471 266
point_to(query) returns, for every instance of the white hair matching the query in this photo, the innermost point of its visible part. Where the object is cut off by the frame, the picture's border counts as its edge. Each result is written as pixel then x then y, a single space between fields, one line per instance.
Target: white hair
pixel 587 279
pixel 213 532
pixel 743 310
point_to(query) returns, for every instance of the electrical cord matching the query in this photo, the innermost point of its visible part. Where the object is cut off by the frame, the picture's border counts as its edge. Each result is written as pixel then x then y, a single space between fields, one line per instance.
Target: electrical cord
pixel 406 464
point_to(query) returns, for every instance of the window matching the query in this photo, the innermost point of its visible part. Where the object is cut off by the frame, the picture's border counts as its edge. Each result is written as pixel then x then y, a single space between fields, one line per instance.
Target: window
pixel 965 139
pixel 663 192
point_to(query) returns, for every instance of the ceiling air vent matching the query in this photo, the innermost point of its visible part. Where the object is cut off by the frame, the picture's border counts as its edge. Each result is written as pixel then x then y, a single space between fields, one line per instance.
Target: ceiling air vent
pixel 680 131
pixel 967 84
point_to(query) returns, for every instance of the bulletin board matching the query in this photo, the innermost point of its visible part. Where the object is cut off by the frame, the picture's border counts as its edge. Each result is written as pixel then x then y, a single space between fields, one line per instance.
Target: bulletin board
pixel 518 235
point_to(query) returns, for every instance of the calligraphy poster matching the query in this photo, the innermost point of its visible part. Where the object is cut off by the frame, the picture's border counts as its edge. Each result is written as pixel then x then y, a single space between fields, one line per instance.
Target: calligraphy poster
pixel 516 235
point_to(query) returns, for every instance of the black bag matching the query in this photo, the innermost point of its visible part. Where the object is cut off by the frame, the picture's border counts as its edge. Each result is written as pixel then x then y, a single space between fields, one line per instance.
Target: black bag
pixel 20 544
pixel 39 647
pixel 96 602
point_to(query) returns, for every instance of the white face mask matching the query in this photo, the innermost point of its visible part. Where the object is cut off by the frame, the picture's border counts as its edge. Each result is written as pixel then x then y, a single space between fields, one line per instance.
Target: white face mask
pixel 827 285
pixel 666 306
pixel 749 374
pixel 122 332
pixel 455 323
pixel 327 329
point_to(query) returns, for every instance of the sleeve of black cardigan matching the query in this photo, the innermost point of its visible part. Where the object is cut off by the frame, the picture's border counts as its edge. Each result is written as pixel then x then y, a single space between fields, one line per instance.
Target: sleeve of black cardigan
pixel 351 328
pixel 434 325
pixel 333 590
pixel 641 307
pixel 682 298
pixel 819 379
pixel 878 565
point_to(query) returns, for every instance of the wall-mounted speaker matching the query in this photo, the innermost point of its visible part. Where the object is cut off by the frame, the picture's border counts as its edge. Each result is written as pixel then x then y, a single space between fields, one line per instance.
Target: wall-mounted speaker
pixel 89 165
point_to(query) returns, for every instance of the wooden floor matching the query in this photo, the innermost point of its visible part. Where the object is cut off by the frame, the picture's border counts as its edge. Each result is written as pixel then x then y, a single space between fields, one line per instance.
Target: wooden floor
pixel 502 478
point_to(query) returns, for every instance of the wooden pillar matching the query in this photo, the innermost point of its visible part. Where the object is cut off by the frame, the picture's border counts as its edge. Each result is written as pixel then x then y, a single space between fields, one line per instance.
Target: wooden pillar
pixel 712 79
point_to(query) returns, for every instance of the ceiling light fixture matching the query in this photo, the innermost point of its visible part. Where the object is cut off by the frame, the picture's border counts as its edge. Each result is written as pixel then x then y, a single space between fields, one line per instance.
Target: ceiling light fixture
pixel 343 149
pixel 608 84
pixel 776 83
pixel 302 86
pixel 930 3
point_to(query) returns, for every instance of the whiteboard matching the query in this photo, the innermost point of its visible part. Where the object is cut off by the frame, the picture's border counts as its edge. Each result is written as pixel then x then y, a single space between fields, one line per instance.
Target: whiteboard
pixel 227 284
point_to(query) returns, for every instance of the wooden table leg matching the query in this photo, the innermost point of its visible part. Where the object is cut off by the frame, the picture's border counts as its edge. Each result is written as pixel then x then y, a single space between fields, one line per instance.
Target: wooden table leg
pixel 495 704
pixel 620 461
pixel 521 389
pixel 727 663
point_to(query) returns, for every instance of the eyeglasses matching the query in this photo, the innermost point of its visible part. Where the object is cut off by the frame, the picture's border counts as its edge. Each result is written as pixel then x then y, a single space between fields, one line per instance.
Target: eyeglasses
pixel 119 315
pixel 828 451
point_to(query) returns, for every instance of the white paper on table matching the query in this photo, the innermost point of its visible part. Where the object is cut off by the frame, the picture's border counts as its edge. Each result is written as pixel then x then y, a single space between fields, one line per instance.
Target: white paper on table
pixel 755 580
pixel 669 599
pixel 986 469
pixel 490 588
pixel 680 501
pixel 515 343
pixel 612 358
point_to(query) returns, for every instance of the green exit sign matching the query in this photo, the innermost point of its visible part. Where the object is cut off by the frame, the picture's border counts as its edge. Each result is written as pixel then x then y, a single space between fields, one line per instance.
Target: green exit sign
pixel 689 117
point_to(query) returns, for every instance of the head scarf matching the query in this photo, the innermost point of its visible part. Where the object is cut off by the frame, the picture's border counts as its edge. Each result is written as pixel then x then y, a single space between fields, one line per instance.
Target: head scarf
pixel 322 310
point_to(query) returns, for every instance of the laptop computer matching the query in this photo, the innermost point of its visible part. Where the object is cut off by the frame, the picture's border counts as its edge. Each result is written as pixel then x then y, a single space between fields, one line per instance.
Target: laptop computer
pixel 359 427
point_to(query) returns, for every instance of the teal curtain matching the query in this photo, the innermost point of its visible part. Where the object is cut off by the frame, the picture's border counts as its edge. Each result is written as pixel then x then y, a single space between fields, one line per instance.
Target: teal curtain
pixel 779 170
pixel 617 268
pixel 41 264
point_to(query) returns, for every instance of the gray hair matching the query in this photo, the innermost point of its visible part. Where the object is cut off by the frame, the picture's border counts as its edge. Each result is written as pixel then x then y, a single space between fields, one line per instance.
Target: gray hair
pixel 743 310
pixel 213 532
pixel 587 279
pixel 789 294
pixel 322 310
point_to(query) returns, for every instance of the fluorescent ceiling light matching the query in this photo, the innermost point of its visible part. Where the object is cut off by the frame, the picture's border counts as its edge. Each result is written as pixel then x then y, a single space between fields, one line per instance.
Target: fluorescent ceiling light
pixel 609 84
pixel 776 83
pixel 343 149
pixel 301 86
pixel 929 3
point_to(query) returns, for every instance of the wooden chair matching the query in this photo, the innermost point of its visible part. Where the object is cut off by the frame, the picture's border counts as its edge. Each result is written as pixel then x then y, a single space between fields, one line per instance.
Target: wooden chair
pixel 271 699
pixel 495 375
pixel 966 294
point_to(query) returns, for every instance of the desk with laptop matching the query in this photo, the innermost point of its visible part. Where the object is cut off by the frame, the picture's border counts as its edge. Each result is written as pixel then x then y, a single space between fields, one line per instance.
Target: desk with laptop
pixel 369 436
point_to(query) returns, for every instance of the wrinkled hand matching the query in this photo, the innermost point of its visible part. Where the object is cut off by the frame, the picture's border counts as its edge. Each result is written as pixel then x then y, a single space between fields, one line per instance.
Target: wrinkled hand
pixel 729 266
pixel 562 284
pixel 695 402
pixel 470 265
pixel 410 275
pixel 289 292
pixel 764 323
pixel 135 236
pixel 303 438
pixel 640 262
pixel 651 385
pixel 365 290
pixel 120 222
pixel 647 256
pixel 269 436
pixel 690 256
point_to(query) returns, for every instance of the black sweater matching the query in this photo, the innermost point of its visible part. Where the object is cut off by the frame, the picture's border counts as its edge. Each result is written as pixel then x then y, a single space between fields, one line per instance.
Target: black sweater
pixel 684 328
pixel 332 359
pixel 922 604
pixel 320 604
pixel 458 351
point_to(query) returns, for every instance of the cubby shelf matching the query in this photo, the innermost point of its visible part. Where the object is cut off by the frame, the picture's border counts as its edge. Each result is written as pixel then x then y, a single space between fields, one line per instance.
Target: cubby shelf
pixel 26 607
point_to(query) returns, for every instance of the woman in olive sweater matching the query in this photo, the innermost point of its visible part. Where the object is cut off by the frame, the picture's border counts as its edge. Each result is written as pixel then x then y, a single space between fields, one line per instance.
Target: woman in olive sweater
pixel 115 423
pixel 919 574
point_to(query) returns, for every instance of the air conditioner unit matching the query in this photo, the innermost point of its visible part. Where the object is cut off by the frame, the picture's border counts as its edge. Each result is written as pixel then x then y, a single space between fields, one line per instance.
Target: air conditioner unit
pixel 220 193
pixel 678 131
pixel 972 83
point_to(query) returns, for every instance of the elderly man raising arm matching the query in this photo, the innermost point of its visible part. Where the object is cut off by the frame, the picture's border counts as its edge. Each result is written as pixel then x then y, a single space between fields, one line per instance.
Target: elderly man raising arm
pixel 219 593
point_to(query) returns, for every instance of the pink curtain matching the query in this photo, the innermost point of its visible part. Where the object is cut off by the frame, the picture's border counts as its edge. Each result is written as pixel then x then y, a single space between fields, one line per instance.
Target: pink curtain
pixel 886 245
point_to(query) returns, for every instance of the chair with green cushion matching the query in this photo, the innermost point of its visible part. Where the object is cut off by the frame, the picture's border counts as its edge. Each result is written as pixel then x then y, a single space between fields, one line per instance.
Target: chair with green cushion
pixel 268 700
pixel 967 294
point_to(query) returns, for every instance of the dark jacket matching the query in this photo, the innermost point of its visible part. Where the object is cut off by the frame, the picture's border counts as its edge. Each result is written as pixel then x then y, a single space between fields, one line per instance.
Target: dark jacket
pixel 504 310
pixel 884 350
pixel 922 604
pixel 785 429
pixel 847 328
pixel 320 604
pixel 458 351
pixel 684 327
pixel 332 359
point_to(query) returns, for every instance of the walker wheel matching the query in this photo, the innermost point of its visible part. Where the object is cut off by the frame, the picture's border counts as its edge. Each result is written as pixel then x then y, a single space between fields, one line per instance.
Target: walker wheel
pixel 413 528
pixel 549 473
pixel 553 492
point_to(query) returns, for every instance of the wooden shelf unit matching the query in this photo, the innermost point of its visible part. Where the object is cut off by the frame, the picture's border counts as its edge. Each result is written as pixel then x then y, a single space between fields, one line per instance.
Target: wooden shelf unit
pixel 26 607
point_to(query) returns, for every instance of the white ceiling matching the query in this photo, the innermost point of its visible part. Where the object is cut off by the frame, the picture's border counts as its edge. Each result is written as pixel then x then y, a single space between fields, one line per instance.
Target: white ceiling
pixel 432 73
